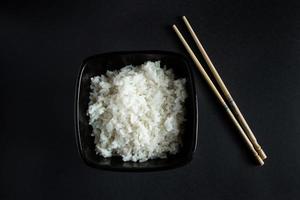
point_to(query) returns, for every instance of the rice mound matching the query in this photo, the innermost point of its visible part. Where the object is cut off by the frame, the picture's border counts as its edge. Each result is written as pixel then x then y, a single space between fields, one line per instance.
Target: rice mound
pixel 137 112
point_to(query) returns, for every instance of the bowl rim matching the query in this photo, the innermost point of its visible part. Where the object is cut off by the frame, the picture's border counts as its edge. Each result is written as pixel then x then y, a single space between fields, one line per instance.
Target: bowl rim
pixel 76 111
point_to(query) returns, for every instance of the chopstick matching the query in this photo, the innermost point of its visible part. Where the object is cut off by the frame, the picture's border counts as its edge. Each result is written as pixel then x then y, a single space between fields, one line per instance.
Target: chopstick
pixel 218 95
pixel 226 93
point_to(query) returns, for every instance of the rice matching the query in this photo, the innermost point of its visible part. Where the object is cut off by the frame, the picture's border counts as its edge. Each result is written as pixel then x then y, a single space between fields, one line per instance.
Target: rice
pixel 137 112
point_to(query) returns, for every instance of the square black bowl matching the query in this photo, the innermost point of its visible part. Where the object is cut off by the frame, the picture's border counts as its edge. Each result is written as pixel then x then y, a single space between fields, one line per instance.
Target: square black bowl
pixel 99 64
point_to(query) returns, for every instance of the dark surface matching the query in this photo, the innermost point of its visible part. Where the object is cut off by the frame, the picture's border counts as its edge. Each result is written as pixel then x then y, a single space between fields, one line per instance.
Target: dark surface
pixel 254 45
pixel 98 65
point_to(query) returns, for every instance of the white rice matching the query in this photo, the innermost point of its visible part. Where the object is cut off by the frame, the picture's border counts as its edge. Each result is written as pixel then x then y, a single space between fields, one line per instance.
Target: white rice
pixel 137 112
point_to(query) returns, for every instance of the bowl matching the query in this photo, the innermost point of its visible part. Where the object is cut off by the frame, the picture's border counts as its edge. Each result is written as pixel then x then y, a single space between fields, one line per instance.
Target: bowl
pixel 99 64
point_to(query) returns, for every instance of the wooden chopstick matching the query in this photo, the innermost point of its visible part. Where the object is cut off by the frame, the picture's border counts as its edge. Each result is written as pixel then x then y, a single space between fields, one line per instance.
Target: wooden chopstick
pixel 226 93
pixel 216 92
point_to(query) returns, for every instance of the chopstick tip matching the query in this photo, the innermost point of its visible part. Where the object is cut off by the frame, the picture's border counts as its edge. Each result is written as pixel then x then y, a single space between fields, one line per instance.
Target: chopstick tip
pixel 262 154
pixel 260 161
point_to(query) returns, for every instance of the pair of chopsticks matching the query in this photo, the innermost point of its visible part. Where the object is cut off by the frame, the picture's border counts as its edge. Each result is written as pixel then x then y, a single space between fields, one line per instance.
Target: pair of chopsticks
pixel 240 122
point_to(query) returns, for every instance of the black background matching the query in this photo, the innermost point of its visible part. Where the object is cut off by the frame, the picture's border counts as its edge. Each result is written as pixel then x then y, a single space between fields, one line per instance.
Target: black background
pixel 254 45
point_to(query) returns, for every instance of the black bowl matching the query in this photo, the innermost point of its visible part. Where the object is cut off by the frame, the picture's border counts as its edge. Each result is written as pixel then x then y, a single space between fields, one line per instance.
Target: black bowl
pixel 99 64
